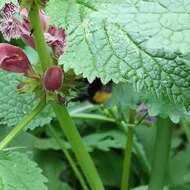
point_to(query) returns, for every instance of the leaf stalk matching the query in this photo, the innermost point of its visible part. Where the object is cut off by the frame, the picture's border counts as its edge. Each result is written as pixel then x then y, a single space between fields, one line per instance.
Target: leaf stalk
pixel 128 153
pixel 161 154
pixel 78 147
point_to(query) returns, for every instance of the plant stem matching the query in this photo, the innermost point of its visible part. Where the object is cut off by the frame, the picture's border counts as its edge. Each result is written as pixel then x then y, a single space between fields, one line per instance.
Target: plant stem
pixel 82 108
pixel 68 157
pixel 40 44
pixel 22 124
pixel 161 154
pixel 78 147
pixel 128 153
pixel 97 117
pixel 142 157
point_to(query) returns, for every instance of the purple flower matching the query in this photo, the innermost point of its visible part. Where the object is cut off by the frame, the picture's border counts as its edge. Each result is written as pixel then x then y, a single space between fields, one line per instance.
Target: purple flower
pixel 26 29
pixel 10 28
pixel 13 59
pixel 143 109
pixel 56 38
pixel 9 25
pixel 9 10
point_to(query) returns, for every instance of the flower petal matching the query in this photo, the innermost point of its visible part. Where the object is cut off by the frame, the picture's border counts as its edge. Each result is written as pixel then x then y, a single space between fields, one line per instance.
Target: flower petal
pixel 56 38
pixel 13 59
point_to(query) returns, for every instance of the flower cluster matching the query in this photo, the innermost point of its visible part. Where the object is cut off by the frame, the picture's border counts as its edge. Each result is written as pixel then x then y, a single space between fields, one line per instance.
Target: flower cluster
pixel 9 25
pixel 15 24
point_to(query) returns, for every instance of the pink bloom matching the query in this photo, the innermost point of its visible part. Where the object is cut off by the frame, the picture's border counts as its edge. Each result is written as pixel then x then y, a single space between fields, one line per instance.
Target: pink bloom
pixel 56 38
pixel 10 28
pixel 53 78
pixel 26 29
pixel 43 19
pixel 13 59
pixel 142 110
pixel 9 10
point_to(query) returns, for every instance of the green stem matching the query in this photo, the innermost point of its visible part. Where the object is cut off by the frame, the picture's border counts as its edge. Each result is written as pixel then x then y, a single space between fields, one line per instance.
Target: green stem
pixel 68 157
pixel 40 44
pixel 78 147
pixel 161 154
pixel 142 157
pixel 128 153
pixel 82 108
pixel 92 116
pixel 22 124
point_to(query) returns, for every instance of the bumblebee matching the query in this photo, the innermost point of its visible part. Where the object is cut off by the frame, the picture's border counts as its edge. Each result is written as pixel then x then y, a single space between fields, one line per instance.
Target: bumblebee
pixel 96 92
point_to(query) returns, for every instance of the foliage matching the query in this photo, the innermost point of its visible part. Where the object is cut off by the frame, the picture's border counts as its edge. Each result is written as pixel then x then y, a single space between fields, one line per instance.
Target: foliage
pixel 142 48
pixel 14 167
pixel 15 105
pixel 137 41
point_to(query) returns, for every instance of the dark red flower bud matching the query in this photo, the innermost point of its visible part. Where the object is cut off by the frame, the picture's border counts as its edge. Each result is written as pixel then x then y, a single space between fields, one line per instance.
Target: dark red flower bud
pixel 53 78
pixel 13 59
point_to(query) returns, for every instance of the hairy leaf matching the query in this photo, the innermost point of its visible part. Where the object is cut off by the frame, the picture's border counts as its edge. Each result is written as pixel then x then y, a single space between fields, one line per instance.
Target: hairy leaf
pixel 18 172
pixel 144 42
pixel 14 105
pixel 105 140
pixel 124 96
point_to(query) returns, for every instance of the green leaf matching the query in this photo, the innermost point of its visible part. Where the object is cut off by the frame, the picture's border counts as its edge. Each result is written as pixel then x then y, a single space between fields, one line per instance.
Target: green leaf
pixel 14 105
pixel 52 166
pixel 23 140
pixel 146 188
pixel 109 165
pixel 181 187
pixel 180 169
pixel 105 140
pixel 143 42
pixel 124 97
pixel 165 108
pixel 19 173
pixel 141 188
